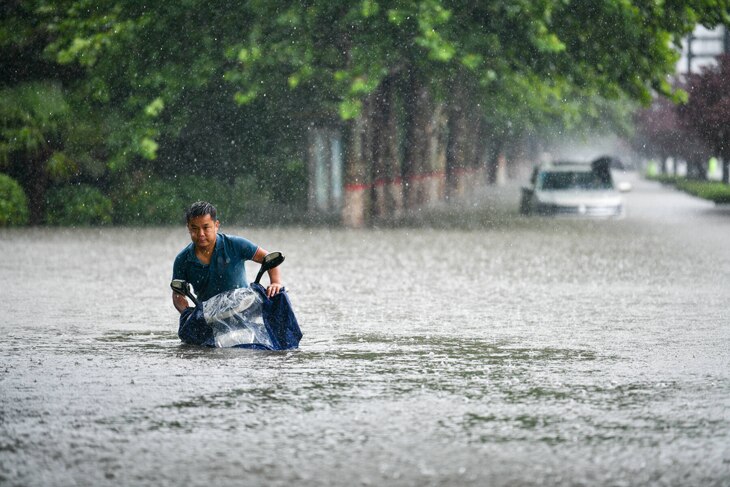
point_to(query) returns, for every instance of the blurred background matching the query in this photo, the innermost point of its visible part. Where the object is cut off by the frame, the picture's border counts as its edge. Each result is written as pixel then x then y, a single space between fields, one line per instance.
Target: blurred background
pixel 357 113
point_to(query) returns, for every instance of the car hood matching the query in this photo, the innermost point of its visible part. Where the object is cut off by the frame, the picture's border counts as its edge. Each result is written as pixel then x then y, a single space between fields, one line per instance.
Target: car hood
pixel 577 198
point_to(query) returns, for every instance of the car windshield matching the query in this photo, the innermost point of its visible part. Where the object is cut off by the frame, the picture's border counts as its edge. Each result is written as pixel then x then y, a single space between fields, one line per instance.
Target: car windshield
pixel 561 180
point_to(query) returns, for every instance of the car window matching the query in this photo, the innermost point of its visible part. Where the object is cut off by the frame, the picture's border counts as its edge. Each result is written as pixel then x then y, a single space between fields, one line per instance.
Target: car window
pixel 562 180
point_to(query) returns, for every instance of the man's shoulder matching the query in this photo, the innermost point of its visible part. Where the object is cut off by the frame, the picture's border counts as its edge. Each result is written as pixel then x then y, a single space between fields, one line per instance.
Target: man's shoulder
pixel 238 244
pixel 180 265
pixel 233 239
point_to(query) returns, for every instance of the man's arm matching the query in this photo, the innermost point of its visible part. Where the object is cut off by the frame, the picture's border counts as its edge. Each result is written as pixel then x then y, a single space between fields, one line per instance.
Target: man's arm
pixel 180 302
pixel 274 276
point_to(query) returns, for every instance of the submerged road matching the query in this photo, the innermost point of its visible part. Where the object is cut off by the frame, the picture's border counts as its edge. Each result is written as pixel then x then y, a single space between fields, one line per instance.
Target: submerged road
pixel 490 349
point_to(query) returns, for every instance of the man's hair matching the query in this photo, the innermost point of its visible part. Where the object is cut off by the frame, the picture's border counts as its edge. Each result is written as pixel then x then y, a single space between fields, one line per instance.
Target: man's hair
pixel 200 208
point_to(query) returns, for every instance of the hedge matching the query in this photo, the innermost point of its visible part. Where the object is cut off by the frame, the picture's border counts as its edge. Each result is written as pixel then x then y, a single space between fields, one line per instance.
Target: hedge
pixel 714 191
pixel 709 190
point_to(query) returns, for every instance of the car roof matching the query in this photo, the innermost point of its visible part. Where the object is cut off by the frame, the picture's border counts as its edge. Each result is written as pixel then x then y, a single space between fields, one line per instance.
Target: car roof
pixel 565 166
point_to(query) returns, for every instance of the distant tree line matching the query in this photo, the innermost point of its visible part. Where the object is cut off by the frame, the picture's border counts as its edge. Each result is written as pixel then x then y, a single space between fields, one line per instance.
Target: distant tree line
pixel 122 111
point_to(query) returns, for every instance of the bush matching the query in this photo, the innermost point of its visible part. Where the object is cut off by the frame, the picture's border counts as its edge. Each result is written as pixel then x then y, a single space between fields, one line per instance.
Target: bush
pixel 246 201
pixel 709 190
pixel 663 178
pixel 164 201
pixel 79 204
pixel 239 203
pixel 13 203
pixel 151 202
pixel 194 188
pixel 287 181
pixel 140 200
pixel 714 191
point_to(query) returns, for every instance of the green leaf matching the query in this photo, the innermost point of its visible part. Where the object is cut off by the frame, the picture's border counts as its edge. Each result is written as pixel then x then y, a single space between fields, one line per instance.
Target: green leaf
pixel 244 98
pixel 350 109
pixel 471 61
pixel 369 8
pixel 154 108
pixel 148 148
pixel 60 167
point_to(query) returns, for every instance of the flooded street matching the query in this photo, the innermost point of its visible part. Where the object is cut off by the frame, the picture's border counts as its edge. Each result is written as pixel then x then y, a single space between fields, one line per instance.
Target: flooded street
pixel 510 351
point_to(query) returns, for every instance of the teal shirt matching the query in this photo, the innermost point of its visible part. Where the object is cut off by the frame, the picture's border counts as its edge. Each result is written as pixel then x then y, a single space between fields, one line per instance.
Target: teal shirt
pixel 226 270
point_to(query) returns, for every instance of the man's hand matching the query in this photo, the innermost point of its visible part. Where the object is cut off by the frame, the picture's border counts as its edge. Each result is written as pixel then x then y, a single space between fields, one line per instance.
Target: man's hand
pixel 273 289
pixel 274 277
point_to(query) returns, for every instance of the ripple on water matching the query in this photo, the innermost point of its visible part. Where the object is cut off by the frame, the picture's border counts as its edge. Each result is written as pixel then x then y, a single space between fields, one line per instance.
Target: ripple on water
pixel 556 353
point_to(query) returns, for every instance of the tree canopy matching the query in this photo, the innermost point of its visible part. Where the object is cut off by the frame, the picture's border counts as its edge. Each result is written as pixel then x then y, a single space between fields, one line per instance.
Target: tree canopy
pixel 708 108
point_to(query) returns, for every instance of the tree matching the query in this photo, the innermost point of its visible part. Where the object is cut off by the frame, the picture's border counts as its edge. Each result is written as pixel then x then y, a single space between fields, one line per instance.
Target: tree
pixel 661 133
pixel 224 88
pixel 34 116
pixel 707 111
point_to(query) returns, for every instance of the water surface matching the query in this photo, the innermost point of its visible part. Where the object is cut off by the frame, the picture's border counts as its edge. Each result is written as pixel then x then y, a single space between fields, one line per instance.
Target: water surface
pixel 493 350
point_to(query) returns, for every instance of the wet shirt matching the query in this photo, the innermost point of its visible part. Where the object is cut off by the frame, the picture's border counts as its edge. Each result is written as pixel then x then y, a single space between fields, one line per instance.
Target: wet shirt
pixel 226 270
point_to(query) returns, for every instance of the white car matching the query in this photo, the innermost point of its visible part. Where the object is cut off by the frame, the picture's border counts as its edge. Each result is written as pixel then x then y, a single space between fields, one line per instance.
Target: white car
pixel 573 188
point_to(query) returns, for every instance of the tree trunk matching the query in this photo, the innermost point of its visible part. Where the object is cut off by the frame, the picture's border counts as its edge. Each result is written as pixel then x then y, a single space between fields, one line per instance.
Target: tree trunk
pixel 357 172
pixel 425 147
pixel 495 160
pixel 379 122
pixel 388 183
pixel 456 147
pixel 479 152
pixel 394 167
pixel 696 168
pixel 415 150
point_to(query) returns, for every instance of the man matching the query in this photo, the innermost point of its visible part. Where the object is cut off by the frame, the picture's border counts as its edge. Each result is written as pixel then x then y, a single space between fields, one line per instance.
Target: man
pixel 214 262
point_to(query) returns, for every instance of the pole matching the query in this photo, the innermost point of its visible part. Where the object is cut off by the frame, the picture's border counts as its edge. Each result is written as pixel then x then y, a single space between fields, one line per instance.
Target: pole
pixel 689 53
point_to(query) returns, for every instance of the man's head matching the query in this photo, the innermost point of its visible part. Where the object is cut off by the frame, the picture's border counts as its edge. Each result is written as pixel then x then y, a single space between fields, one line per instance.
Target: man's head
pixel 201 208
pixel 202 224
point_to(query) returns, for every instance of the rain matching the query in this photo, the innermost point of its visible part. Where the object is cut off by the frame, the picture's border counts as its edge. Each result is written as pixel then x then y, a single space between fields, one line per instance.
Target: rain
pixel 503 231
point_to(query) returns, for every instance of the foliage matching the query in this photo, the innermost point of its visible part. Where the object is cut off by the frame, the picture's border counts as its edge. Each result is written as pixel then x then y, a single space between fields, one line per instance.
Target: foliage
pixel 78 205
pixel 228 202
pixel 693 130
pixel 709 190
pixel 658 130
pixel 45 138
pixel 224 89
pixel 13 203
pixel 281 181
pixel 148 200
pixel 325 56
pixel 663 178
pixel 245 199
pixel 32 117
pixel 708 108
pixel 545 65
pixel 714 191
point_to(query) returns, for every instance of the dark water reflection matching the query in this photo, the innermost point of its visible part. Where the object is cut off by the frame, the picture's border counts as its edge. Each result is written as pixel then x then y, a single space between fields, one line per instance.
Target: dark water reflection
pixel 487 351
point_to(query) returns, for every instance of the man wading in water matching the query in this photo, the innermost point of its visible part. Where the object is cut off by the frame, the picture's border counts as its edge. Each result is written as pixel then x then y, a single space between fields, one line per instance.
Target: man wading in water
pixel 214 262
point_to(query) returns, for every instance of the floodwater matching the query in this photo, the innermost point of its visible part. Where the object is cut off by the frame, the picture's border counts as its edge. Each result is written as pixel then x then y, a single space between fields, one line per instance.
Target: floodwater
pixel 498 351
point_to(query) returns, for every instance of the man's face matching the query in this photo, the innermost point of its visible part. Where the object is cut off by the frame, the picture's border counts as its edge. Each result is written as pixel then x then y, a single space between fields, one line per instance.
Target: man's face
pixel 203 231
